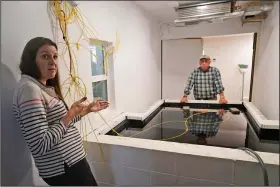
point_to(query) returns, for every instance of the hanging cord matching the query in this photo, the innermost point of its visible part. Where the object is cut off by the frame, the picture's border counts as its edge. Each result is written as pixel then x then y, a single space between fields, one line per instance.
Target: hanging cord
pixel 63 14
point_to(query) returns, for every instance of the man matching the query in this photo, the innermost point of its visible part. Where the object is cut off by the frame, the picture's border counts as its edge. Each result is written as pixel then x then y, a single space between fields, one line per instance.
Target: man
pixel 206 81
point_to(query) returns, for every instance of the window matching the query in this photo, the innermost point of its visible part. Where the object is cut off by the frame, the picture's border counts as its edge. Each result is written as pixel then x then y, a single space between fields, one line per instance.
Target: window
pixel 99 78
pixel 99 89
pixel 97 60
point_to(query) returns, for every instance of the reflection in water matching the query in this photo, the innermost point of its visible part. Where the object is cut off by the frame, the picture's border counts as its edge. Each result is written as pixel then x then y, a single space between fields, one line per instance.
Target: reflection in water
pixel 203 125
pixel 218 128
pixel 212 128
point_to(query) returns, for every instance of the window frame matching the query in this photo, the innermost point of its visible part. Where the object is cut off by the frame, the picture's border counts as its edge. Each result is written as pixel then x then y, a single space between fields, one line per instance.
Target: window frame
pixel 109 75
pixel 103 77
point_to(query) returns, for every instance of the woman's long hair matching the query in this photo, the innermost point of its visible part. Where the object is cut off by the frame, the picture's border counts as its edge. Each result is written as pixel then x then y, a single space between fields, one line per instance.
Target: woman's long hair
pixel 29 67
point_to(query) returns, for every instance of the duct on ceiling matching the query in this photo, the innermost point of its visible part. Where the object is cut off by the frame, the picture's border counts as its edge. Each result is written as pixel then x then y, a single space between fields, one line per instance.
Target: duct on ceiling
pixel 193 12
pixel 190 3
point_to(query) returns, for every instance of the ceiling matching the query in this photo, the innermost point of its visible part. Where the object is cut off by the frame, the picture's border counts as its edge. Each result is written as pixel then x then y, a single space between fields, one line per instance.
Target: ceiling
pixel 164 10
pixel 161 10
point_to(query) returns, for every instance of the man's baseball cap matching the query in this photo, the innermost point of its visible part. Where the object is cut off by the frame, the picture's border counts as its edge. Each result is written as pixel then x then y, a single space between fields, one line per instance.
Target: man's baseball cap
pixel 205 57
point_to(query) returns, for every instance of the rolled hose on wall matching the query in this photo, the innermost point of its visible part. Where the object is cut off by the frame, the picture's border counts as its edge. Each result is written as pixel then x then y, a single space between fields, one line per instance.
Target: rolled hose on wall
pixel 264 170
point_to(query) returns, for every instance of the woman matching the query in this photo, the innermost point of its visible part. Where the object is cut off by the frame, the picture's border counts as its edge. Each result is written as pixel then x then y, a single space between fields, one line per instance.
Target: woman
pixel 47 124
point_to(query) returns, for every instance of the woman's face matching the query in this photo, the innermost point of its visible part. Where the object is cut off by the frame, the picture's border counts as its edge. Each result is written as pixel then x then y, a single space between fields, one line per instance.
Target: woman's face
pixel 46 60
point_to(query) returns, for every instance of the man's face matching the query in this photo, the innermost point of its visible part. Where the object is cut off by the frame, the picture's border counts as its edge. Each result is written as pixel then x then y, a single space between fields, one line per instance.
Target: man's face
pixel 204 64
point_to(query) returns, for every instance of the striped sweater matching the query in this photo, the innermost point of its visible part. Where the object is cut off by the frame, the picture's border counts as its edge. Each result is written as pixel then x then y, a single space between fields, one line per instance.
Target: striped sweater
pixel 39 113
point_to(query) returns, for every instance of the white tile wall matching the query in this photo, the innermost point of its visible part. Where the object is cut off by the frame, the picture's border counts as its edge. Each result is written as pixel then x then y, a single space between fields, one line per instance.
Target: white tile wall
pixel 94 152
pixel 158 161
pixel 130 176
pixel 129 157
pixel 160 179
pixel 248 173
pixel 119 175
pixel 211 183
pixel 184 181
pixel 132 166
pixel 102 172
pixel 212 169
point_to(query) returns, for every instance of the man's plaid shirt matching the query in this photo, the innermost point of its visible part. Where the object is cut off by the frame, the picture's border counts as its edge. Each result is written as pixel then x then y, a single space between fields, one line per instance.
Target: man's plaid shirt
pixel 206 84
pixel 203 124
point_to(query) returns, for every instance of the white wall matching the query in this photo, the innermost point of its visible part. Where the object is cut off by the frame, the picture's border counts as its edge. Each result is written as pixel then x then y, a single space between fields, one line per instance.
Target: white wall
pixel 137 62
pixel 17 19
pixel 229 51
pixel 232 26
pixel 15 156
pixel 266 76
pixel 136 66
pixel 179 59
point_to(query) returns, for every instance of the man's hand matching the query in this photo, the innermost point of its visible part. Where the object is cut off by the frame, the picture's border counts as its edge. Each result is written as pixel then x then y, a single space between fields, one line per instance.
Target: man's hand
pixel 184 99
pixel 223 100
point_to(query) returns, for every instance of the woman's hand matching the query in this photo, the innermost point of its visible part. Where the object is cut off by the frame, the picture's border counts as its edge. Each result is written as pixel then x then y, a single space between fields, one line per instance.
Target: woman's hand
pixel 95 106
pixel 76 109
